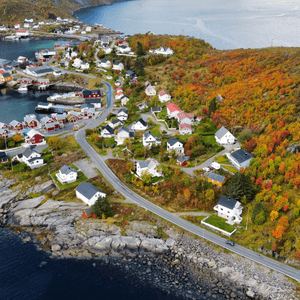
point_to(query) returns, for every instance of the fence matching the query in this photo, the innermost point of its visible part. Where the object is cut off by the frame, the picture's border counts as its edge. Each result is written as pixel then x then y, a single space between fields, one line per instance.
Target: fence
pixel 216 228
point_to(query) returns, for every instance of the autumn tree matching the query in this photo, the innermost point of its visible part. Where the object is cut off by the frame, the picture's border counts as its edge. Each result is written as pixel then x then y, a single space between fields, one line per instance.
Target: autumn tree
pixel 55 142
pixel 17 138
pixel 100 54
pixel 258 214
pixel 241 185
pixel 210 195
pixel 274 215
pixel 94 137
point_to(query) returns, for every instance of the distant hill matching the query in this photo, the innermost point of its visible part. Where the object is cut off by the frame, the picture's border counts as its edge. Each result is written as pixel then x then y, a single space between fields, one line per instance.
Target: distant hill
pixel 15 11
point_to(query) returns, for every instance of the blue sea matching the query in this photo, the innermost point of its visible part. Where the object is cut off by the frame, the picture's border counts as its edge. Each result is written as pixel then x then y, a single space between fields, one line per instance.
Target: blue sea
pixel 23 276
pixel 227 24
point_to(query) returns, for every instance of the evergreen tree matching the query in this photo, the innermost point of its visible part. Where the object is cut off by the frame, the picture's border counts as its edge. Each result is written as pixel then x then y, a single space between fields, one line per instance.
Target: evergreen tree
pixel 127 66
pixel 258 216
pixel 212 107
pixel 101 207
pixel 241 185
pixel 139 68
pixel 140 50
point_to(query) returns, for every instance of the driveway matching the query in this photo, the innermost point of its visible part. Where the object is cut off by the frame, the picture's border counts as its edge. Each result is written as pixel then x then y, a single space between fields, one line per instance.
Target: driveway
pixel 162 125
pixel 227 149
pixel 87 168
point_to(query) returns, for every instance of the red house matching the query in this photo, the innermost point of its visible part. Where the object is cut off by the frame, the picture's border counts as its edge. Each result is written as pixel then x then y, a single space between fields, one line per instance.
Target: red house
pixel 61 118
pixel 51 126
pixel 4 133
pixel 31 122
pixel 3 126
pixel 34 137
pixel 43 81
pixel 28 81
pixel 15 125
pixel 86 94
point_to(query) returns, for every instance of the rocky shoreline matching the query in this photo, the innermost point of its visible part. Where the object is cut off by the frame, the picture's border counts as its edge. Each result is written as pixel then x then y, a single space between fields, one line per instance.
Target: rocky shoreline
pixel 180 265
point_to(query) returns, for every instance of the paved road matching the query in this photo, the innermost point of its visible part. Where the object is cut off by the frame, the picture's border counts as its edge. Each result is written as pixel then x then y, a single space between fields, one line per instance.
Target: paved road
pixel 124 190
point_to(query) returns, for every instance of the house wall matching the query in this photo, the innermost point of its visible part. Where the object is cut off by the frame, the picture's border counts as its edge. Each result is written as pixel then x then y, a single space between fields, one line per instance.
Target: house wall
pixel 215 182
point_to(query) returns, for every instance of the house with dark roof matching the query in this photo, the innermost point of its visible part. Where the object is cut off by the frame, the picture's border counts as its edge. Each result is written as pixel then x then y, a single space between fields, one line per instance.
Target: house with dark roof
pixel 31 158
pixel 224 137
pixel 216 179
pixel 149 139
pixel 3 157
pixel 88 193
pixel 148 167
pixel 143 105
pixel 124 99
pixel 116 123
pixel 229 209
pixel 122 114
pixel 38 71
pixel 240 158
pixel 104 64
pixel 139 125
pixel 118 66
pixel 107 131
pixel 183 160
pixel 66 174
pixel 130 74
pixel 163 51
pixel 174 145
pixel 155 110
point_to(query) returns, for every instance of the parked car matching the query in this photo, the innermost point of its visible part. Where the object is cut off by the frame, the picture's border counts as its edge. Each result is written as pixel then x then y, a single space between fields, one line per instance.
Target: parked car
pixel 216 166
pixel 106 146
pixel 57 73
pixel 211 168
pixel 231 243
pixel 112 146
pixel 206 169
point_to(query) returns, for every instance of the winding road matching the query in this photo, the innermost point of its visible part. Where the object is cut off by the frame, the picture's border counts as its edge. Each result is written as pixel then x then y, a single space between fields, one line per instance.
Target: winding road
pixel 123 189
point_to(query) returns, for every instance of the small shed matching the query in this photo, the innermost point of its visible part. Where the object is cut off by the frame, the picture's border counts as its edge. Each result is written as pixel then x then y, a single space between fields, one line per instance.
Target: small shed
pixel 216 179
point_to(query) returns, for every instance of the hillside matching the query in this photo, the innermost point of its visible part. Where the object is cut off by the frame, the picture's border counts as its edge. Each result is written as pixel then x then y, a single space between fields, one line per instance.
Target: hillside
pixel 13 11
pixel 260 90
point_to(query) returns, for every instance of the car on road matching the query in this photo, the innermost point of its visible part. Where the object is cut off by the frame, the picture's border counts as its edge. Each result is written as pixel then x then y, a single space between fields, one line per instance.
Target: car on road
pixel 229 242
pixel 211 168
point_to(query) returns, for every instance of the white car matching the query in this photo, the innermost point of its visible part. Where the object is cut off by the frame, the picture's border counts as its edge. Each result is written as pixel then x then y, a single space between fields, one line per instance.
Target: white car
pixel 109 77
pixel 216 166
pixel 57 73
pixel 206 169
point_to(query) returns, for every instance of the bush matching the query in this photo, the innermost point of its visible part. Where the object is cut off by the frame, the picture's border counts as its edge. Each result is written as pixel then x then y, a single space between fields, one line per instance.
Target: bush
pixel 11 144
pixel 88 132
pixel 258 212
pixel 59 153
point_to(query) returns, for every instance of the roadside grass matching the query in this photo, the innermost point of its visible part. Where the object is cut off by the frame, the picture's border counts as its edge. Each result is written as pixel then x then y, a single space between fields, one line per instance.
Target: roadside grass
pixel 219 222
pixel 193 219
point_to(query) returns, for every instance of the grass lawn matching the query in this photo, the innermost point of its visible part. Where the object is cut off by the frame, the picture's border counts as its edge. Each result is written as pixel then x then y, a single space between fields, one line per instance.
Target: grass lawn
pixel 222 159
pixel 210 139
pixel 230 169
pixel 219 222
pixel 80 178
pixel 18 168
pixel 163 114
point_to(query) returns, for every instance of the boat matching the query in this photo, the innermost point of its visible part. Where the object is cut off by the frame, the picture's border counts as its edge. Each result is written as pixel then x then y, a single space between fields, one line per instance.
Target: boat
pixel 22 59
pixel 23 89
pixel 12 37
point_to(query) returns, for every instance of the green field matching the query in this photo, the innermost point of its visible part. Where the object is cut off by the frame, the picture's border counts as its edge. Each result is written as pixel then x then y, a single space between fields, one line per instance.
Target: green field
pixel 219 222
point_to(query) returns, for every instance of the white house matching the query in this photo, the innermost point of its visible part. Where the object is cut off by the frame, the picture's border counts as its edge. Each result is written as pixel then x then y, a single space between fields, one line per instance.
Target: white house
pixel 163 51
pixel 123 133
pixel 148 167
pixel 229 209
pixel 164 96
pixel 77 63
pixel 66 174
pixel 17 26
pixel 184 117
pixel 185 129
pixel 116 123
pixel 31 158
pixel 174 145
pixel 122 114
pixel 118 66
pixel 26 25
pixel 149 139
pixel 123 49
pixel 38 71
pixel 120 94
pixel 85 66
pixel 28 20
pixel 107 50
pixel 124 100
pixel 139 125
pixel 107 131
pixel 41 23
pixel 104 64
pixel 223 136
pixel 143 105
pixel 240 158
pixel 88 193
pixel 88 28
pixel 150 90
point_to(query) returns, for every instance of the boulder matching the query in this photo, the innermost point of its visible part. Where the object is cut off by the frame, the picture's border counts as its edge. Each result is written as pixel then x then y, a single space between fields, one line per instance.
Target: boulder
pixel 55 193
pixel 104 244
pixel 31 203
pixel 132 243
pixel 7 197
pixel 250 294
pixel 154 245
pixel 293 148
pixel 22 217
pixel 170 242
pixel 219 98
pixel 55 247
pixel 38 179
pixel 117 243
pixel 50 205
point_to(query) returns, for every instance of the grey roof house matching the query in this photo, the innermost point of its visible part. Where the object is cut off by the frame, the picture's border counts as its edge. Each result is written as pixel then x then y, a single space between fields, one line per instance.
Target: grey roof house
pixel 88 193
pixel 240 158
